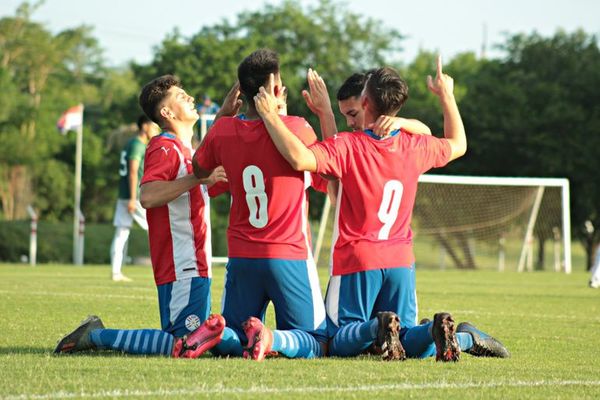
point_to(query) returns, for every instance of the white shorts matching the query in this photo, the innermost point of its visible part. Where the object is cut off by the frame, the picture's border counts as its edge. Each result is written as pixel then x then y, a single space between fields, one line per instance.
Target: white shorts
pixel 124 219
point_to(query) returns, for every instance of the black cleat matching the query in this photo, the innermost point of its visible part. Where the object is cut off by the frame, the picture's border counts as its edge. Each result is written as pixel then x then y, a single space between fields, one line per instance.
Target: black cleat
pixel 79 339
pixel 388 336
pixel 483 344
pixel 443 332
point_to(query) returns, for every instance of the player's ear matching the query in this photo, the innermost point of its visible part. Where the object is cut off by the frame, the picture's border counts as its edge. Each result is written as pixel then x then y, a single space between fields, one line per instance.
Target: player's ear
pixel 364 101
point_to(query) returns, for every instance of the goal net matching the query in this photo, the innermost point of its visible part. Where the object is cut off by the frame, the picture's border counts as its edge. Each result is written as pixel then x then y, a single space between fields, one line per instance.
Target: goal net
pixel 470 222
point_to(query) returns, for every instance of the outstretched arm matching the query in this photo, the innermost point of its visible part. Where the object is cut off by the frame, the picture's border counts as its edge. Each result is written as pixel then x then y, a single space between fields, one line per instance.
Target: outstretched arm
pixel 288 144
pixel 454 130
pixel 317 99
pixel 159 193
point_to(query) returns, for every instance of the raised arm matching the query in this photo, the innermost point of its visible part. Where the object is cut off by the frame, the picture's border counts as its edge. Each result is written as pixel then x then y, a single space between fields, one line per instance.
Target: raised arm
pixel 317 100
pixel 288 144
pixel 454 130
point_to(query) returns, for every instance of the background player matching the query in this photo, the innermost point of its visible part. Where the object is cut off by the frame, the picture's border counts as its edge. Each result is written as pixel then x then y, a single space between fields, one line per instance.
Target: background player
pixel 373 277
pixel 268 234
pixel 129 208
pixel 179 230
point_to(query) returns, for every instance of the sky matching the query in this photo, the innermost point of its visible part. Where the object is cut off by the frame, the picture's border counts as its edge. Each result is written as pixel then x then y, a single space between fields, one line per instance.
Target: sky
pixel 129 29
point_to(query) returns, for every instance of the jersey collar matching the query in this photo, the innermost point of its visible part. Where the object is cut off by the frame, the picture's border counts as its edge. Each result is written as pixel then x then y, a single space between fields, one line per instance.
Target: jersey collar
pixel 370 133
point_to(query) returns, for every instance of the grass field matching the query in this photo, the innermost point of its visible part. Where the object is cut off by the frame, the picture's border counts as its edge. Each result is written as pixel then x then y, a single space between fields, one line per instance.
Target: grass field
pixel 550 322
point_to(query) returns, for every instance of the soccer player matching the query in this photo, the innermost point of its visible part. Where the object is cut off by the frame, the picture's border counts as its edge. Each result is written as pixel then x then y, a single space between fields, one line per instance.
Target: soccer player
pixel 268 235
pixel 348 97
pixel 179 229
pixel 595 271
pixel 129 208
pixel 371 292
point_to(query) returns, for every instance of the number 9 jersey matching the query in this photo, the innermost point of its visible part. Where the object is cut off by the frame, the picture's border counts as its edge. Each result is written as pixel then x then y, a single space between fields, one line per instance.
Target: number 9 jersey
pixel 378 186
pixel 269 205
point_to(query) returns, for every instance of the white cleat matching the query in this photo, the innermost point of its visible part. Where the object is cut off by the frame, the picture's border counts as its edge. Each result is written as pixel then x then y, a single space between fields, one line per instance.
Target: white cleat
pixel 595 284
pixel 120 278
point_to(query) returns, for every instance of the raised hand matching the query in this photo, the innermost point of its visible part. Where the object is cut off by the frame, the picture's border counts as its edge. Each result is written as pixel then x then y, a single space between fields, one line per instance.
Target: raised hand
pixel 232 103
pixel 317 99
pixel 442 85
pixel 265 100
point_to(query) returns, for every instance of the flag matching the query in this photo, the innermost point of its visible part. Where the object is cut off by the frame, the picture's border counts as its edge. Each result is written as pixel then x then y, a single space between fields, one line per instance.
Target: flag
pixel 70 119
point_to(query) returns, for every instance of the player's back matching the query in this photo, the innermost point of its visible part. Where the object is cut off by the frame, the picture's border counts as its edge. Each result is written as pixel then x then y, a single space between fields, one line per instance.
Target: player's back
pixel 268 216
pixel 378 185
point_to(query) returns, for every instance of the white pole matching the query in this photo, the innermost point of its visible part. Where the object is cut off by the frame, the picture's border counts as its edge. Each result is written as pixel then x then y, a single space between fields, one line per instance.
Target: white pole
pixel 77 205
pixel 322 228
pixel 80 239
pixel 566 220
pixel 528 242
pixel 32 236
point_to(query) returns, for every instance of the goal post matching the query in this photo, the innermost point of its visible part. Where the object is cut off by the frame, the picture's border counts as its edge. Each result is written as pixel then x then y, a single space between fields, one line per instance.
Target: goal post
pixel 488 222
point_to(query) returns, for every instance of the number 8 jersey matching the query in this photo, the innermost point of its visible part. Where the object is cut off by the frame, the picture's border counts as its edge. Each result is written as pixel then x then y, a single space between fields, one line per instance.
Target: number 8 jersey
pixel 269 206
pixel 378 185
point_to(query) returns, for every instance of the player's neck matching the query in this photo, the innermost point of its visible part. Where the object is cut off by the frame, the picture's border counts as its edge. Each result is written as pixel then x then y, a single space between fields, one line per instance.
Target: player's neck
pixel 251 113
pixel 183 132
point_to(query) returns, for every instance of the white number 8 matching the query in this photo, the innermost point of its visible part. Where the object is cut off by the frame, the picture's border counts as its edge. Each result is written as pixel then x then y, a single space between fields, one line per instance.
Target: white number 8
pixel 388 210
pixel 254 186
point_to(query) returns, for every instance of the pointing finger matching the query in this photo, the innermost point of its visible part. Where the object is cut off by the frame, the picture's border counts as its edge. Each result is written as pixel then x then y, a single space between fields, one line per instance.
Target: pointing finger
pixel 439 65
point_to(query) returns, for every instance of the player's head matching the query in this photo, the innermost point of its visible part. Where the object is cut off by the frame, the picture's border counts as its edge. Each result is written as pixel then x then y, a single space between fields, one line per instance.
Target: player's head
pixel 384 93
pixel 348 97
pixel 254 71
pixel 166 103
pixel 146 127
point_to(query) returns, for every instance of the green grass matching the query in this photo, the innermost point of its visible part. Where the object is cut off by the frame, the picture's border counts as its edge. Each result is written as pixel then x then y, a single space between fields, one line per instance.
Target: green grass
pixel 550 322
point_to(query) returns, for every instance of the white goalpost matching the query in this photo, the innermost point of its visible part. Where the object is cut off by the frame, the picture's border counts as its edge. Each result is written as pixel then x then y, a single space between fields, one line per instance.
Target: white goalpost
pixel 484 222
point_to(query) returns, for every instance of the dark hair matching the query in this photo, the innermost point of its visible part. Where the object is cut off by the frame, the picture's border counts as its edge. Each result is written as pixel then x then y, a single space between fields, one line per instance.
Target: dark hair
pixel 254 71
pixel 142 120
pixel 153 94
pixel 352 87
pixel 386 91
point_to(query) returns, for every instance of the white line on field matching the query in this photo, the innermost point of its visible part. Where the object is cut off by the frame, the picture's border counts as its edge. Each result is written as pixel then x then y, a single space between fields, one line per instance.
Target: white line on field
pixel 309 389
pixel 64 294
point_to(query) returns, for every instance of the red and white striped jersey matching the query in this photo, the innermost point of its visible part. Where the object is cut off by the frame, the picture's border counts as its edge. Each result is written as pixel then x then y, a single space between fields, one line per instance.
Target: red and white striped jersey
pixel 179 231
pixel 378 186
pixel 269 208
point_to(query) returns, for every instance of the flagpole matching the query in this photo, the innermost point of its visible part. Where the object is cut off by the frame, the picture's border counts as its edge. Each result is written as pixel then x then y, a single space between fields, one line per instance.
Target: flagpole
pixel 77 254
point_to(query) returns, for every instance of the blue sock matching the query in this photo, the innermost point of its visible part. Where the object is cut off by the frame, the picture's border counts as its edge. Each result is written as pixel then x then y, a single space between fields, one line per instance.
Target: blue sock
pixel 230 344
pixel 138 341
pixel 354 338
pixel 465 340
pixel 296 344
pixel 417 341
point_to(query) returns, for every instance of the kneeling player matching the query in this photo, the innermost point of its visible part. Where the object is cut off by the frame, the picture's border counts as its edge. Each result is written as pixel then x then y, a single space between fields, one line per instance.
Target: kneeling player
pixel 179 231
pixel 372 288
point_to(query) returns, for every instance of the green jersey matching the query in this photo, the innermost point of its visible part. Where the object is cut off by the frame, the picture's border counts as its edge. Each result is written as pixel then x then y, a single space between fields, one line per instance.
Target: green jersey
pixel 134 150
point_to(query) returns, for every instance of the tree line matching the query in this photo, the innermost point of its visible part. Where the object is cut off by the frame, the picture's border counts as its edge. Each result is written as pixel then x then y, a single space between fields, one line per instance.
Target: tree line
pixel 535 111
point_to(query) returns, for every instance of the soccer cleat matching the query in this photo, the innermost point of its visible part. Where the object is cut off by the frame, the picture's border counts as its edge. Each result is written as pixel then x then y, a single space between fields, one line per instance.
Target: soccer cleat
pixel 120 278
pixel 260 339
pixel 483 344
pixel 594 284
pixel 443 332
pixel 388 336
pixel 204 338
pixel 79 339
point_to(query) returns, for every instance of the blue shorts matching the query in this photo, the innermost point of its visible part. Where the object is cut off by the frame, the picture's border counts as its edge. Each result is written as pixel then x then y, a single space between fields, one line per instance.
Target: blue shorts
pixel 358 297
pixel 292 286
pixel 184 305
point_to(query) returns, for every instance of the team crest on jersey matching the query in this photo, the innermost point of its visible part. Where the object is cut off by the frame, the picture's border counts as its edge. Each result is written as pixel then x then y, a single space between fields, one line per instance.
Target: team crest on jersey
pixel 192 322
